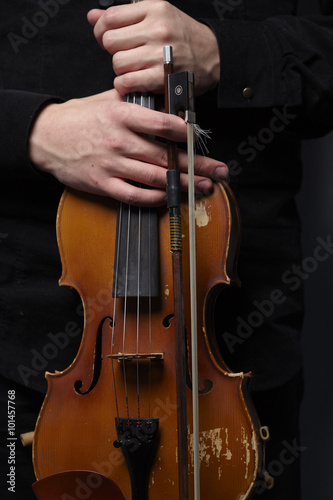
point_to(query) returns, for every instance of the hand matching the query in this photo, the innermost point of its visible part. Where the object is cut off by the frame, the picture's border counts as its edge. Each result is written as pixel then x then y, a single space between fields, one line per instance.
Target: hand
pixel 97 143
pixel 136 34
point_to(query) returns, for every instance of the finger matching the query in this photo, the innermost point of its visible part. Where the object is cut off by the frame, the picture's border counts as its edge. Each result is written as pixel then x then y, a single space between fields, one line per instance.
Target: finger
pixel 146 80
pixel 118 17
pixel 152 154
pixel 204 166
pixel 143 57
pixel 155 155
pixel 115 40
pixel 147 121
pixel 155 174
pixel 144 173
pixel 148 163
pixel 132 195
pixel 94 15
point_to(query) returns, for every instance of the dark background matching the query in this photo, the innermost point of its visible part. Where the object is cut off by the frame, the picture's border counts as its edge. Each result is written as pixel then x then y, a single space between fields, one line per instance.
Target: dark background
pixel 316 208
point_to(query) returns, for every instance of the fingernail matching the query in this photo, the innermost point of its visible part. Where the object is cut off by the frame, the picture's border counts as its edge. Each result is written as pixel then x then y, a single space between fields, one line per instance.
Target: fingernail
pixel 221 173
pixel 205 187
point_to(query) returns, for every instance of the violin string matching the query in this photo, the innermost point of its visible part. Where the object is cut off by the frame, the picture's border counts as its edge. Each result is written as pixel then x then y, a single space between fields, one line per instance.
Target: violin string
pixel 125 311
pixel 149 315
pixel 116 271
pixel 150 105
pixel 138 315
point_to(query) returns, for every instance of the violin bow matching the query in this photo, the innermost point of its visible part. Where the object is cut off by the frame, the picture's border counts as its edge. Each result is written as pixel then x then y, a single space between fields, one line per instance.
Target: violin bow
pixel 179 96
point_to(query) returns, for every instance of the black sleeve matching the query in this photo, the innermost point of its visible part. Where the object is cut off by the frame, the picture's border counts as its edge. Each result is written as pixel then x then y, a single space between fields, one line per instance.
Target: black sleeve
pixel 281 61
pixel 18 109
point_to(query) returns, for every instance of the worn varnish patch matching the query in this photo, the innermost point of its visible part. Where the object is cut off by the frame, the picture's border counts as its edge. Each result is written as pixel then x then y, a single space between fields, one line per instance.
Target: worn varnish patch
pixel 213 443
pixel 202 217
pixel 247 453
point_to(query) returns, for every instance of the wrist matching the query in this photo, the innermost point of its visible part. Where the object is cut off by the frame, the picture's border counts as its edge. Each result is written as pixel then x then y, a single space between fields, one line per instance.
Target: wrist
pixel 210 60
pixel 39 136
pixel 213 58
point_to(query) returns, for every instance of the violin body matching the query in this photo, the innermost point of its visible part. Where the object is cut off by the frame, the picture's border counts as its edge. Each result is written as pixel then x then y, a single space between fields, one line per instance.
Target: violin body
pixel 83 422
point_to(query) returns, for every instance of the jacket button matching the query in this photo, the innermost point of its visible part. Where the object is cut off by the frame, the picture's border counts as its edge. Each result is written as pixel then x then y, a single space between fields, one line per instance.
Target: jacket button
pixel 247 93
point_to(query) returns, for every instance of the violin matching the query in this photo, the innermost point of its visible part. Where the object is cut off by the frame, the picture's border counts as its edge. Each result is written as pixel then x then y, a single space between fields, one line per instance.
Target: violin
pixel 119 422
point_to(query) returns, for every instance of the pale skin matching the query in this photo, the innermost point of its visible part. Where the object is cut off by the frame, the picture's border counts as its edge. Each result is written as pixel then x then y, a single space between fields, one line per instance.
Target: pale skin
pixel 97 143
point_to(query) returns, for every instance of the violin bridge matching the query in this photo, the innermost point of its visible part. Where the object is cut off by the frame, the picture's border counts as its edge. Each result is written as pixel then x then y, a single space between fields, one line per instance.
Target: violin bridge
pixel 159 356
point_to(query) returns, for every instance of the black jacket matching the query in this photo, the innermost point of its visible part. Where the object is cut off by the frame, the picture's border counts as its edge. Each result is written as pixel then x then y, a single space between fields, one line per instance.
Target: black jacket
pixel 276 88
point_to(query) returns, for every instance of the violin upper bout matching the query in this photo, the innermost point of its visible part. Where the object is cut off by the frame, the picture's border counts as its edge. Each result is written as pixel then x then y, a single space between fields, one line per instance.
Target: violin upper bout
pixel 217 227
pixel 83 232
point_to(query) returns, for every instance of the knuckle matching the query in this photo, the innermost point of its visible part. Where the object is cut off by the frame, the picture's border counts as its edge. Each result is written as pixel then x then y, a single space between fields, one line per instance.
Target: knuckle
pixel 164 158
pixel 130 197
pixel 117 62
pixel 118 115
pixel 110 16
pixel 93 177
pixel 116 143
pixel 162 32
pixel 103 167
pixel 161 123
pixel 163 28
pixel 152 178
pixel 124 84
pixel 108 42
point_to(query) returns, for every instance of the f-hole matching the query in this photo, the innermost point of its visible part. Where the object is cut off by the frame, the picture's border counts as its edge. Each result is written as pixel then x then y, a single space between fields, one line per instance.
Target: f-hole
pixel 97 358
pixel 167 320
